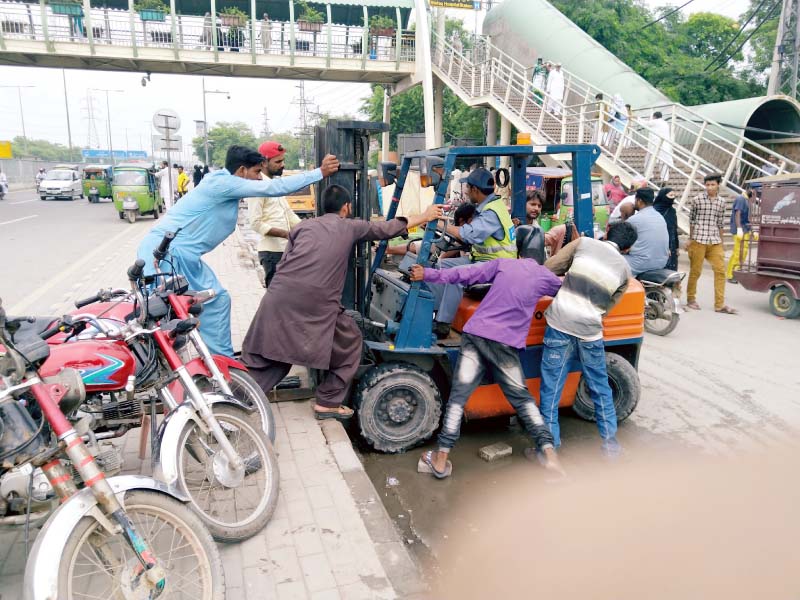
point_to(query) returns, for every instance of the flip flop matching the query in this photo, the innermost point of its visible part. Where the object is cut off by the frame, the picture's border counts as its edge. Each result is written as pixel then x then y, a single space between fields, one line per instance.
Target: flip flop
pixel 727 310
pixel 693 305
pixel 426 459
pixel 337 415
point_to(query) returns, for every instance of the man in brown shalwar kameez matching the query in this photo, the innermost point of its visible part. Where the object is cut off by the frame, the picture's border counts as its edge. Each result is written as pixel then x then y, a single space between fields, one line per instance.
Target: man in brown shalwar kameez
pixel 301 319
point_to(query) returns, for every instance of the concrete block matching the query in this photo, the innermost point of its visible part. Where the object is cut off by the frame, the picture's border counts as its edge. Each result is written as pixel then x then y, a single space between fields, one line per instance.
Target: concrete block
pixel 319 496
pixel 300 513
pixel 346 457
pixel 331 594
pixel 291 591
pixel 495 451
pixel 317 572
pixel 307 540
pixel 253 550
pixel 284 566
pixel 333 431
pixel 278 534
pixel 328 521
pixel 258 583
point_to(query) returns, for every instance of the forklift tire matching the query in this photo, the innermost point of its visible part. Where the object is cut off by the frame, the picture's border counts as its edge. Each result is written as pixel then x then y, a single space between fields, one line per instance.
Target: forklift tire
pixel 782 303
pixel 399 406
pixel 625 389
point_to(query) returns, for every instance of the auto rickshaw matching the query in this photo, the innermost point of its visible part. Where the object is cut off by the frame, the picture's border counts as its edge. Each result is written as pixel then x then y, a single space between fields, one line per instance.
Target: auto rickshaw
pixel 599 203
pixel 97 182
pixel 546 180
pixel 304 201
pixel 135 191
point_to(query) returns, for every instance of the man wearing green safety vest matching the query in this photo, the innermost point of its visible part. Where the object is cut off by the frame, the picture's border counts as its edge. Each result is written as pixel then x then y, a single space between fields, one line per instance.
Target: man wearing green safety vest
pixel 491 234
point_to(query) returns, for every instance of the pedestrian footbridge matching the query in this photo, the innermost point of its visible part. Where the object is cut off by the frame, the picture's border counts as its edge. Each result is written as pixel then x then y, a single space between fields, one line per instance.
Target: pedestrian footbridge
pixel 192 37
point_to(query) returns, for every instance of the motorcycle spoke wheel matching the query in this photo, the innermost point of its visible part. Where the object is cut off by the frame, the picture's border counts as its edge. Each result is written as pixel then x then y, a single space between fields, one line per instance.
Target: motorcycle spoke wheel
pixel 98 564
pixel 234 505
pixel 660 315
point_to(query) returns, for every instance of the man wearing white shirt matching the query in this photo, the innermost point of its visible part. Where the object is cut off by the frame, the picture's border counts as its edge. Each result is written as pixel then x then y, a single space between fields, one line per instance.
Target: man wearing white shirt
pixel 271 217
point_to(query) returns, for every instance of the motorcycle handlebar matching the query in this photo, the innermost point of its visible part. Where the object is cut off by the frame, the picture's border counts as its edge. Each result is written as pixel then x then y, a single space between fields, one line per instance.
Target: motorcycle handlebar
pixel 87 301
pixel 136 270
pixel 48 333
pixel 161 252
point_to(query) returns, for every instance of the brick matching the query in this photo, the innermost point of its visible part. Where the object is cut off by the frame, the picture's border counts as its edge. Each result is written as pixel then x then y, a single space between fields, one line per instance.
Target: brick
pixel 278 534
pixel 291 591
pixel 317 572
pixel 495 451
pixel 331 594
pixel 232 563
pixel 315 474
pixel 356 591
pixel 306 540
pixel 253 550
pixel 328 520
pixel 319 496
pixel 292 490
pixel 258 583
pixel 284 566
pixel 345 574
pixel 299 441
pixel 300 513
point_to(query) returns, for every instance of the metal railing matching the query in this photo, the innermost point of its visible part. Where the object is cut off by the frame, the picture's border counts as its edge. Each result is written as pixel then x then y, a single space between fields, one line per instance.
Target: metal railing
pixel 696 147
pixel 26 21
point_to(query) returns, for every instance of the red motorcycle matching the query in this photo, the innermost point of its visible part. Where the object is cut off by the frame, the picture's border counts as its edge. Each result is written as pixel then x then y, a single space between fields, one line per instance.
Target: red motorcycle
pixel 117 537
pixel 207 445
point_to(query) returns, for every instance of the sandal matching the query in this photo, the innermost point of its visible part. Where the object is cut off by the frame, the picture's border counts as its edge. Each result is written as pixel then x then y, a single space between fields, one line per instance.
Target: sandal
pixel 727 310
pixel 427 460
pixel 693 305
pixel 342 414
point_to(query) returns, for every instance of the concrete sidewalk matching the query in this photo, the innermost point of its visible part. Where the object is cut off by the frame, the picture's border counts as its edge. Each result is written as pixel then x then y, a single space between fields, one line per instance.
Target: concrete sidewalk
pixel 330 536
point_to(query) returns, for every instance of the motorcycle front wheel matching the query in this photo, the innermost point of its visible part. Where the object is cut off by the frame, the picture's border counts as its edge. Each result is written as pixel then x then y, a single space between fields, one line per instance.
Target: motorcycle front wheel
pixel 660 317
pixel 233 504
pixel 98 564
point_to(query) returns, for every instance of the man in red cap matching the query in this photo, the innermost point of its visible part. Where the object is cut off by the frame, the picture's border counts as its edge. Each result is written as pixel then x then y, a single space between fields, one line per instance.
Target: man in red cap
pixel 272 218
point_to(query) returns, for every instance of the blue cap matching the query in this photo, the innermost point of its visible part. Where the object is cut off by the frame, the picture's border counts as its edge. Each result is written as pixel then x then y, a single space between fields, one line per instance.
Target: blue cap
pixel 480 178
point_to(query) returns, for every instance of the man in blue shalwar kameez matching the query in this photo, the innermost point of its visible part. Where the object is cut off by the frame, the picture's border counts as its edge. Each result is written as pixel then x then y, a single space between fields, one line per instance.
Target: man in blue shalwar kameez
pixel 206 216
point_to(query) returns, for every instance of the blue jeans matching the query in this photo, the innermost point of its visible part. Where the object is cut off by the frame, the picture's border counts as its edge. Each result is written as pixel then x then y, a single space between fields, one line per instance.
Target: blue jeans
pixel 559 350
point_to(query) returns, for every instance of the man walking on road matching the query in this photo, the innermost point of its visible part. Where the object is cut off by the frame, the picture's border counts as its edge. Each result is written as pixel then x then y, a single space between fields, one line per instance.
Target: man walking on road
pixel 183 182
pixel 271 217
pixel 491 341
pixel 163 184
pixel 596 278
pixel 206 217
pixel 741 232
pixel 300 320
pixel 706 222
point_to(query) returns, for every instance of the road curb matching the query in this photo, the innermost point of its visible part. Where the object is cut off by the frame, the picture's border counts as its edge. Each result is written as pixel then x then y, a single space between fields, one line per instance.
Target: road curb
pixel 400 566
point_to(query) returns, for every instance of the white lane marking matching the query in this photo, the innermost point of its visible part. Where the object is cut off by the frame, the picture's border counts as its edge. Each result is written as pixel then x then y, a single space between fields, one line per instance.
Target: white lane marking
pixel 18 220
pixel 76 267
pixel 22 202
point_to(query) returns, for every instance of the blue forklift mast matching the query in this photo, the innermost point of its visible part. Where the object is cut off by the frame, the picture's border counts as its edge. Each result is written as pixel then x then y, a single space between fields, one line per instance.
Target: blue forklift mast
pixel 414 332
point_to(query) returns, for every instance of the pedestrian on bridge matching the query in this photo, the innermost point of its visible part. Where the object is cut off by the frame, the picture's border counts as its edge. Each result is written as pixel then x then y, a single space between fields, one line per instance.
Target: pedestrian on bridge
pixel 555 90
pixel 539 78
pixel 206 217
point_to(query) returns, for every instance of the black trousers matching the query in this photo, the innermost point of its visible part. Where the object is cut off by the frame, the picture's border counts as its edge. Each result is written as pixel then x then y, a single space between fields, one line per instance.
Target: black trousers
pixel 269 260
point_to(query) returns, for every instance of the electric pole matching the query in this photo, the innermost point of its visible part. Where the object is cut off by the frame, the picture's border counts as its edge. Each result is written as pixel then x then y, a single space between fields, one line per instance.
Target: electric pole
pixel 265 132
pixel 304 132
pixel 783 76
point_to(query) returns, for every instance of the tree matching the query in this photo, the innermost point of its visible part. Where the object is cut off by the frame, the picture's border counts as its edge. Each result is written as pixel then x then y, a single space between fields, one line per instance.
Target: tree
pixel 42 150
pixel 762 43
pixel 222 137
pixel 673 54
pixel 292 146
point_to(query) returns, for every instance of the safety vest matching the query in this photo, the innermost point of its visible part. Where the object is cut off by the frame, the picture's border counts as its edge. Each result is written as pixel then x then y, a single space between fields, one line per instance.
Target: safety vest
pixel 492 248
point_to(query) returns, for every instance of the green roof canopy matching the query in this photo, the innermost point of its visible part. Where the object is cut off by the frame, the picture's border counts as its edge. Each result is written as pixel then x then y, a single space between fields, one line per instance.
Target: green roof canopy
pixel 343 12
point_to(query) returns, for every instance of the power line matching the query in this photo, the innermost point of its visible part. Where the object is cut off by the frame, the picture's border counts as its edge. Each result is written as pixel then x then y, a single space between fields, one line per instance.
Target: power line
pixel 738 33
pixel 665 15
pixel 749 35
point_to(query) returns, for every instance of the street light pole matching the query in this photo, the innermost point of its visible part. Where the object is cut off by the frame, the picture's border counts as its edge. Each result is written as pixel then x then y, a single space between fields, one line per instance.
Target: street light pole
pixel 108 121
pixel 205 118
pixel 21 112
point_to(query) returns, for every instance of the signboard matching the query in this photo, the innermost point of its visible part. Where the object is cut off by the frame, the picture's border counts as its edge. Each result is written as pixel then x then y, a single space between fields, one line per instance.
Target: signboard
pixel 468 4
pixel 5 149
pixel 200 129
pixel 165 120
pixel 118 154
pixel 162 143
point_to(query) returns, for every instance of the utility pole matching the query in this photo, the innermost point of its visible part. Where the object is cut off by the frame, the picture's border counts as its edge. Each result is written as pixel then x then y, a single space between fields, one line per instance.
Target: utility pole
pixel 108 121
pixel 783 76
pixel 91 132
pixel 66 108
pixel 21 112
pixel 205 118
pixel 265 132
pixel 304 133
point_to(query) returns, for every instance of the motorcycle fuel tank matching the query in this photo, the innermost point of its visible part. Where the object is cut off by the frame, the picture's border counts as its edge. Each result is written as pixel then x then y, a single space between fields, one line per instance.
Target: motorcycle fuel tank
pixel 103 365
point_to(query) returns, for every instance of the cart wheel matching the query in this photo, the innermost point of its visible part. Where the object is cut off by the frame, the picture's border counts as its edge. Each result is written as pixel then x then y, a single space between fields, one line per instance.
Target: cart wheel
pixel 625 389
pixel 782 302
pixel 399 406
pixel 155 213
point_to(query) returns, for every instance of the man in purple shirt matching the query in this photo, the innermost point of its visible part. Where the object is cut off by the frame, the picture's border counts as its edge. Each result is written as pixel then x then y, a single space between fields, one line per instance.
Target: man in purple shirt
pixel 491 340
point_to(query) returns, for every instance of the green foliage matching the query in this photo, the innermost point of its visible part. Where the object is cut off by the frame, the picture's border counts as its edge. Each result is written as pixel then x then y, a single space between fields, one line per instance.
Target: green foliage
pixel 141 5
pixel 455 26
pixel 407 115
pixel 43 150
pixel 233 11
pixel 762 43
pixel 672 54
pixel 308 13
pixel 381 22
pixel 292 144
pixel 222 137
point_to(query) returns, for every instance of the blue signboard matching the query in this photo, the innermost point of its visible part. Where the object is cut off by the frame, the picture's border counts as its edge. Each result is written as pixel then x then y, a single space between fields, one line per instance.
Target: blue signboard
pixel 118 154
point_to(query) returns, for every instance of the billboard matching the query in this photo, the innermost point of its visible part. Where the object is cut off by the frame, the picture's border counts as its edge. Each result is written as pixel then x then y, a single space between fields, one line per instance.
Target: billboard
pixel 468 4
pixel 118 154
pixel 5 149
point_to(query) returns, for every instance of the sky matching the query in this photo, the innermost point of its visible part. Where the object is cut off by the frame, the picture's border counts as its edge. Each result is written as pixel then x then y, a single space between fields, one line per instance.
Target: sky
pixel 132 108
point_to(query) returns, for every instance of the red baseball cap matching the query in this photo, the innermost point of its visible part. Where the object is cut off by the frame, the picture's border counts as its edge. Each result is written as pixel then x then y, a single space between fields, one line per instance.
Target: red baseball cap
pixel 271 150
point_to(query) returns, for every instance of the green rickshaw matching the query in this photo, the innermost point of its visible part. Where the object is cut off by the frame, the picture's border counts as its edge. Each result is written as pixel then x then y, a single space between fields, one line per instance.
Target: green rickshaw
pixel 97 182
pixel 135 192
pixel 566 205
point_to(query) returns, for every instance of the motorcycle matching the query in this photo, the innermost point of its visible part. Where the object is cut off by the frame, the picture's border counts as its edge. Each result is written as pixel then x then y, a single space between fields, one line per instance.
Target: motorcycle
pixel 207 445
pixel 662 308
pixel 117 537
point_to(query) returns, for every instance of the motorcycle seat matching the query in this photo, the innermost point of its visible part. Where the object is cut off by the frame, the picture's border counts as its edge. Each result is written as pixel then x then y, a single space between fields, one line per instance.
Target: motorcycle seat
pixel 659 276
pixel 477 291
pixel 28 327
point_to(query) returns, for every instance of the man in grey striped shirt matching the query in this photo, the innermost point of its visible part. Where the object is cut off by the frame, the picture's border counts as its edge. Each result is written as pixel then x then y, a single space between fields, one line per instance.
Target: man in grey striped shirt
pixel 596 278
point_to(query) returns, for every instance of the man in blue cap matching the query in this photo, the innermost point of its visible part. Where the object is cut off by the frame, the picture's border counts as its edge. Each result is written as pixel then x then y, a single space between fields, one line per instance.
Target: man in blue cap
pixel 491 234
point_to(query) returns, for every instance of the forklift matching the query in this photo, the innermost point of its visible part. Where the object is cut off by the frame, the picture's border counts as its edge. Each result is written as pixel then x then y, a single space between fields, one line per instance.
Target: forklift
pixel 406 371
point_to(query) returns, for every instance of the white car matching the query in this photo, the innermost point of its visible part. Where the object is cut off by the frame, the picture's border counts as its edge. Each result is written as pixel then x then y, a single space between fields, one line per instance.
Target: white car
pixel 61 183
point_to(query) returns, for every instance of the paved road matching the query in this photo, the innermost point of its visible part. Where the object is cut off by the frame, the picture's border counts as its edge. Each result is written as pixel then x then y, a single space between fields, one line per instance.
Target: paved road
pixel 51 249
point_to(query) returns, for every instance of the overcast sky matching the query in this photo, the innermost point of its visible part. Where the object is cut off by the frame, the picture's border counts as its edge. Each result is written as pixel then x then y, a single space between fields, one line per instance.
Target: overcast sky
pixel 132 109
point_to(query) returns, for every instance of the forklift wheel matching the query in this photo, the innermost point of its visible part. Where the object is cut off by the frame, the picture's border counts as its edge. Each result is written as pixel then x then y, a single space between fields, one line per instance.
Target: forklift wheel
pixel 625 389
pixel 399 406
